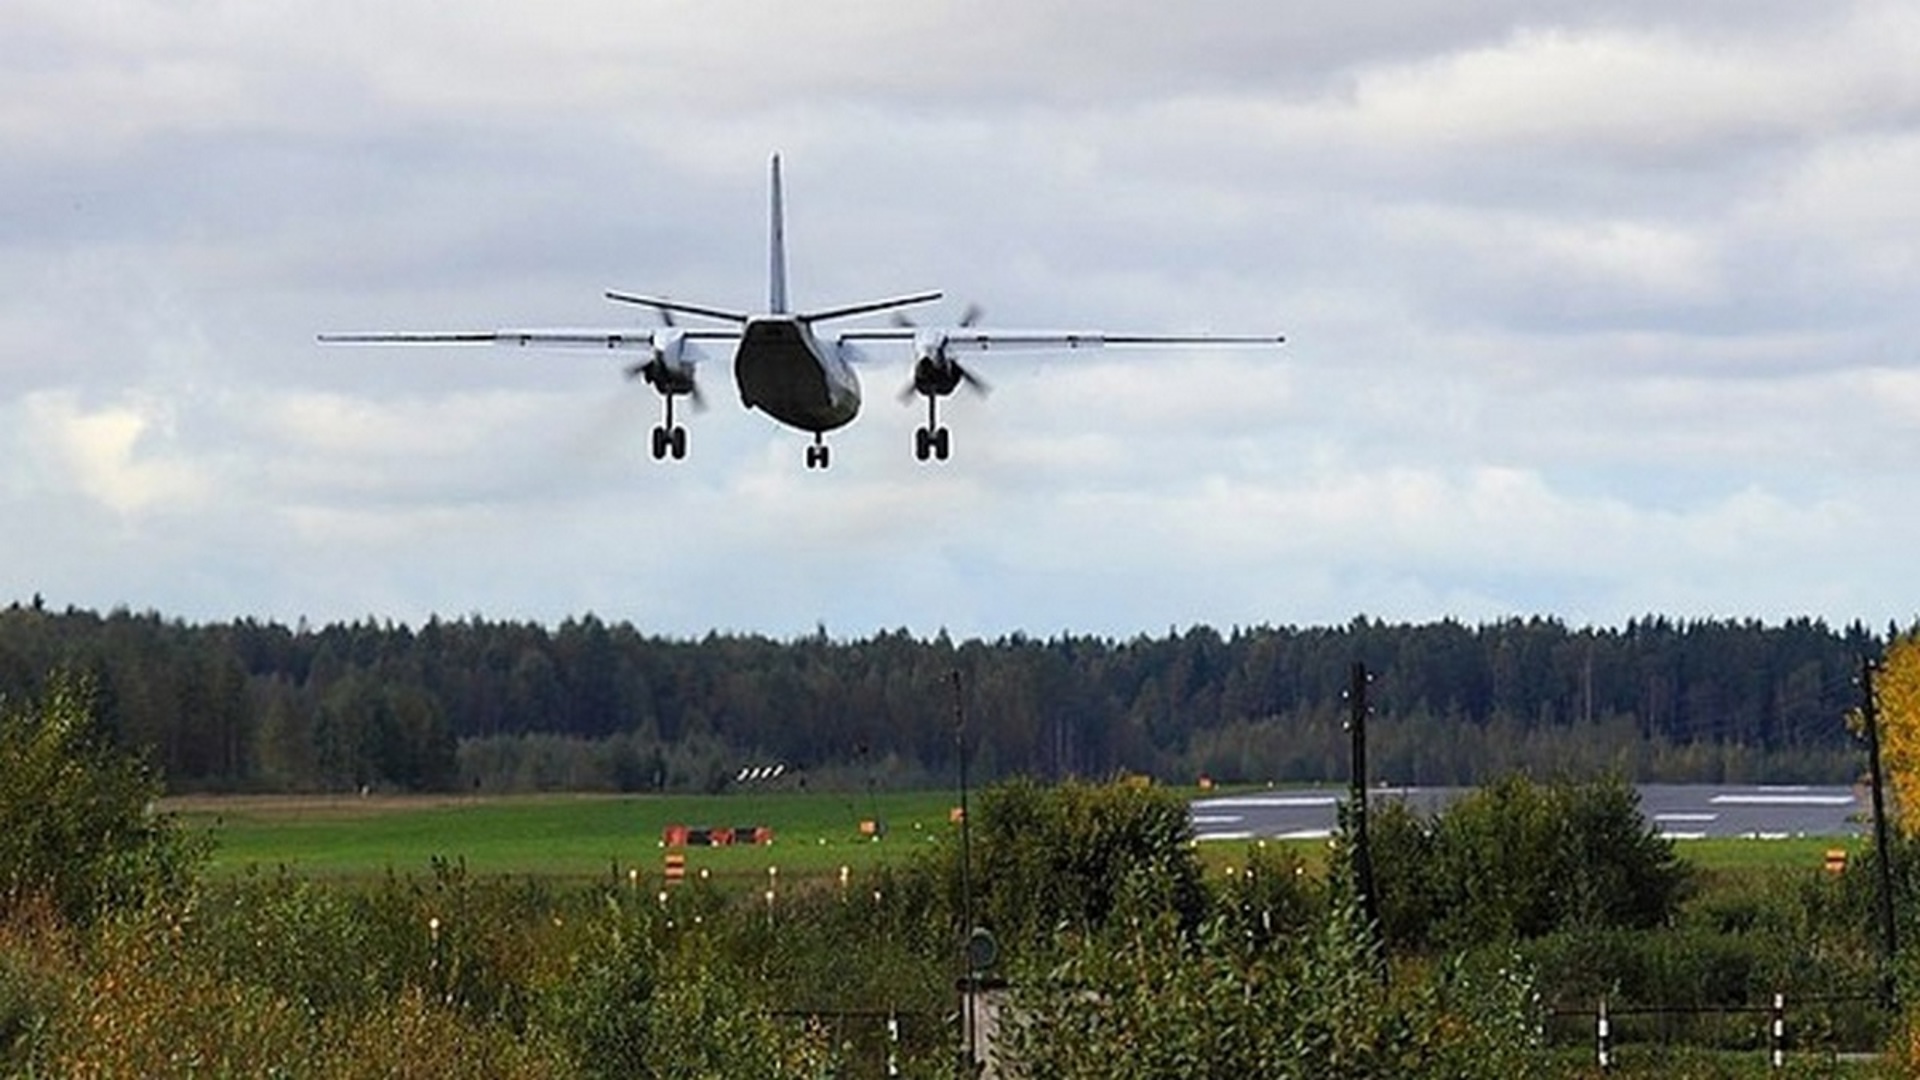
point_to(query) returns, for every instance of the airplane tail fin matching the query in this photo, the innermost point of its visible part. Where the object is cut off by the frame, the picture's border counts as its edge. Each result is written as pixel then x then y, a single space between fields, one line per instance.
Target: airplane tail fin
pixel 777 251
pixel 777 276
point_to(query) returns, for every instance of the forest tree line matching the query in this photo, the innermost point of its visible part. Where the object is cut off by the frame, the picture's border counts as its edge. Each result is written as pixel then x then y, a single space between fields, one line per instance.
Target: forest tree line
pixel 499 705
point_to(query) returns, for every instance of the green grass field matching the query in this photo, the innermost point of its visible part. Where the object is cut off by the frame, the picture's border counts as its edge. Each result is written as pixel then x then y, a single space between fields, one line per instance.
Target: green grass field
pixel 586 836
pixel 580 836
pixel 1800 852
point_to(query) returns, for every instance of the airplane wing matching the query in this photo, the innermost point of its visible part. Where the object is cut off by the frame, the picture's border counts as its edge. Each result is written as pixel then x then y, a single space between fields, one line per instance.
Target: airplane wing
pixel 969 339
pixel 976 339
pixel 580 339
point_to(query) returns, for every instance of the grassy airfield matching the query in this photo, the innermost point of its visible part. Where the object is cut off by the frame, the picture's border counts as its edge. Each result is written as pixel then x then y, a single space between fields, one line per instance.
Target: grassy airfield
pixel 558 836
pixel 594 836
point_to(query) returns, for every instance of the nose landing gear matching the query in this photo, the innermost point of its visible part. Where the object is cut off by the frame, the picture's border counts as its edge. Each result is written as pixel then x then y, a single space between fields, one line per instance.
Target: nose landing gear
pixel 817 455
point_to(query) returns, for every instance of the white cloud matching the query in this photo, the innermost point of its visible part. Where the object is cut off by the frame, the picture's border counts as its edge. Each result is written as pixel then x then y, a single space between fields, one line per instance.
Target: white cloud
pixel 1591 312
pixel 122 457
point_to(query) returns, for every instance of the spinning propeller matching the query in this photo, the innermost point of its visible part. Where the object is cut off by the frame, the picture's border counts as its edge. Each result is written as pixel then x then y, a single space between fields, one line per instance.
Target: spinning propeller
pixel 935 372
pixel 669 368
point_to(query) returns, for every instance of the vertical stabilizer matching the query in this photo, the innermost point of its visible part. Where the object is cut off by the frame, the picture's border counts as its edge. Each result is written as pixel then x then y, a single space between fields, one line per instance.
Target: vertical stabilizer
pixel 777 255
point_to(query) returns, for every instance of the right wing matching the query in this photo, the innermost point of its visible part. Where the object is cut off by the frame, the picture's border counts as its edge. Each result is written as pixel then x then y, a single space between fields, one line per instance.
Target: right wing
pixel 578 339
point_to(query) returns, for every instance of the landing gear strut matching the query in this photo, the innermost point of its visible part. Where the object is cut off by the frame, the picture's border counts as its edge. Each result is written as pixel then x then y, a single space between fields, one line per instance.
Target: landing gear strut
pixel 817 453
pixel 669 438
pixel 933 440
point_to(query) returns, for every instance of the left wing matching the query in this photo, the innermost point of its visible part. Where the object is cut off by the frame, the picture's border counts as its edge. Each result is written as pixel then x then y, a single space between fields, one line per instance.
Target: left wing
pixel 930 339
pixel 937 371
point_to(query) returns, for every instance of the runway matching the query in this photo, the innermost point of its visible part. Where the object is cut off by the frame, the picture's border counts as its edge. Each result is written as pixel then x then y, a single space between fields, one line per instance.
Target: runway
pixel 1680 811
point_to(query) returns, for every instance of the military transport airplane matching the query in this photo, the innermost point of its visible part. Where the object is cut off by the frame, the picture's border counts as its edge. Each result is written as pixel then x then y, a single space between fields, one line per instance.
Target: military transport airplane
pixel 784 366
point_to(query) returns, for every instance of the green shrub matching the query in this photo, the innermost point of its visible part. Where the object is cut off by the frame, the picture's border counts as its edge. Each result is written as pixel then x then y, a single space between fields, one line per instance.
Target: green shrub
pixel 76 824
pixel 604 1010
pixel 1143 998
pixel 27 1003
pixel 1270 899
pixel 1517 860
pixel 1045 856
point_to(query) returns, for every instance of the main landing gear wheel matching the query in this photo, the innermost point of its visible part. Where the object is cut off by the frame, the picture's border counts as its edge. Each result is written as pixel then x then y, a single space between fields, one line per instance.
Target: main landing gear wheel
pixel 669 438
pixel 817 454
pixel 932 443
pixel 669 441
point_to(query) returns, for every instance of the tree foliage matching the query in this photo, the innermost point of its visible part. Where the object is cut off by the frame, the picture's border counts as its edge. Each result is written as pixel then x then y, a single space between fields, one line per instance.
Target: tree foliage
pixel 1896 693
pixel 1144 1000
pixel 76 823
pixel 1063 855
pixel 262 706
pixel 1517 860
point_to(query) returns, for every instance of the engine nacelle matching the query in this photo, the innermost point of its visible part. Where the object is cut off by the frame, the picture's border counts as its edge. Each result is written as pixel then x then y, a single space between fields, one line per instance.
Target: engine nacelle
pixel 670 367
pixel 935 374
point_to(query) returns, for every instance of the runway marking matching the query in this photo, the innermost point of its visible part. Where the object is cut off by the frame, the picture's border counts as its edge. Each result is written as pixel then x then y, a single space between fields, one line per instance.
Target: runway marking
pixel 1780 798
pixel 1686 817
pixel 1259 801
pixel 1218 819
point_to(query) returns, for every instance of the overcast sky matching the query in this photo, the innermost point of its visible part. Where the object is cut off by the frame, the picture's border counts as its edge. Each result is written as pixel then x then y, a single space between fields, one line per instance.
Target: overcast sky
pixel 1593 310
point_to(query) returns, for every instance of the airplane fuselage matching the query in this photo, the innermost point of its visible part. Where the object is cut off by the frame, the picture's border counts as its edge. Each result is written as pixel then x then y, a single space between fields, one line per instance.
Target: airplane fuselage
pixel 783 370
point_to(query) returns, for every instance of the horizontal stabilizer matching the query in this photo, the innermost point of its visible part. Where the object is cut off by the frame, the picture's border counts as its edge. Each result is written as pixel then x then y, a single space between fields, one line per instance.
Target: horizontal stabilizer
pixel 871 306
pixel 661 304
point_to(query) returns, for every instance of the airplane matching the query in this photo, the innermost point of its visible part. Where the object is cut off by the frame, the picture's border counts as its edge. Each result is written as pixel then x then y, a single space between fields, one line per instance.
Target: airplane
pixel 784 364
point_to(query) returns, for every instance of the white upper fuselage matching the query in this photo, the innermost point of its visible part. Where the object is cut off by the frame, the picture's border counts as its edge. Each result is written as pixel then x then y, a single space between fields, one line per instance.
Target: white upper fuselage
pixel 783 370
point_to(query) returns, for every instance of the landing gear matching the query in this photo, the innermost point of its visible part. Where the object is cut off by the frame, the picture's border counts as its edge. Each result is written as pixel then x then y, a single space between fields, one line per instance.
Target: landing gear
pixel 817 453
pixel 669 438
pixel 669 442
pixel 932 441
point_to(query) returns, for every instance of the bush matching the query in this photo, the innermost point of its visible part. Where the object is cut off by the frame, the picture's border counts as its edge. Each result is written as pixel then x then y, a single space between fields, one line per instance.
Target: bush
pixel 76 825
pixel 1517 860
pixel 1048 856
pixel 1271 900
pixel 1145 999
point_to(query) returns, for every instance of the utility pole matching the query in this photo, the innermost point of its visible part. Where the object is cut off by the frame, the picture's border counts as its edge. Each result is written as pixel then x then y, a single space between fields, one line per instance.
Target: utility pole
pixel 969 983
pixel 1882 848
pixel 1362 852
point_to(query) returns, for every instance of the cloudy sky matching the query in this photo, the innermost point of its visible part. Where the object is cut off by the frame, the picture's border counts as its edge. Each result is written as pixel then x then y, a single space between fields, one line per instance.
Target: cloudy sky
pixel 1593 310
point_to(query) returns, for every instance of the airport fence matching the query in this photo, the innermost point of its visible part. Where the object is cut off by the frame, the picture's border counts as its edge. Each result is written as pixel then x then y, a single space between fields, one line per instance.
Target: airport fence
pixel 1784 1029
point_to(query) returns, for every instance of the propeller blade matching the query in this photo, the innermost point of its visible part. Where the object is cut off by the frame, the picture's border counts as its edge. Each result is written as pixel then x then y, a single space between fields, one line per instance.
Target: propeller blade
pixel 973 382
